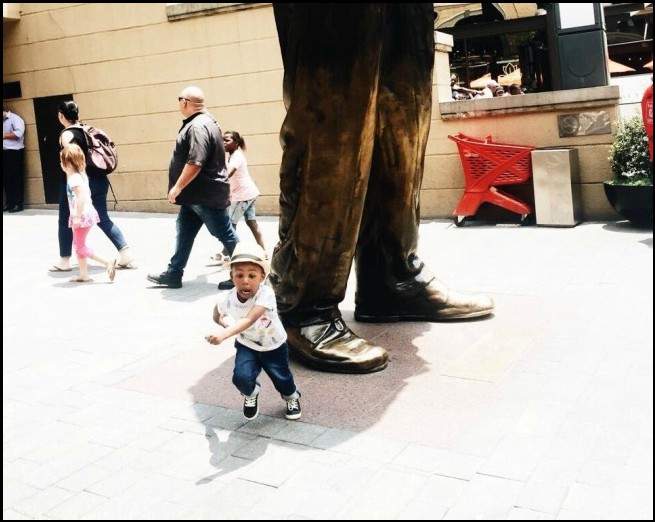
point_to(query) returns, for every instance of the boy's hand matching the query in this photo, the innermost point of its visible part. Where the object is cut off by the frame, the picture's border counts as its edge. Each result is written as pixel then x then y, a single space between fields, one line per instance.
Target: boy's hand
pixel 215 339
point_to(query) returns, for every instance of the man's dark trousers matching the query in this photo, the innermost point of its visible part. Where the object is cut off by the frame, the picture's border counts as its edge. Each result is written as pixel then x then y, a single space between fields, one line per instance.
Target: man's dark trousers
pixel 13 177
pixel 189 222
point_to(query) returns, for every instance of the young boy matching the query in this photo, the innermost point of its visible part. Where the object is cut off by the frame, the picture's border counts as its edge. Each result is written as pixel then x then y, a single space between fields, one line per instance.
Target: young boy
pixel 249 311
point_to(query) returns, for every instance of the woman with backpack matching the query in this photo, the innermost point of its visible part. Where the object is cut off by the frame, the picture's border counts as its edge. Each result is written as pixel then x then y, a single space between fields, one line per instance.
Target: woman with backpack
pixel 68 113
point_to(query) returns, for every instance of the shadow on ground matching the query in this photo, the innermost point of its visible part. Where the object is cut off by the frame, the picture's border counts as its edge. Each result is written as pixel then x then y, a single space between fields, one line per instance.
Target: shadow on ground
pixel 194 289
pixel 352 403
pixel 626 227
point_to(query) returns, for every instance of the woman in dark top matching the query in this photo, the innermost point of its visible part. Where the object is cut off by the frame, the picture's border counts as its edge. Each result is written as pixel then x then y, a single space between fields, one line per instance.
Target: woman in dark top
pixel 68 116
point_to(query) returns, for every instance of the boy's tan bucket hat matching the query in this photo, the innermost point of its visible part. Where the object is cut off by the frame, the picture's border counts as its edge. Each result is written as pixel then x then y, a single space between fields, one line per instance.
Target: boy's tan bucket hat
pixel 250 253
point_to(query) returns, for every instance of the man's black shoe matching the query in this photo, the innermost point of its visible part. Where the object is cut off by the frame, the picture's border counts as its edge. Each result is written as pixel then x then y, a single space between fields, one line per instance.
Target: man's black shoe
pixel 17 208
pixel 226 285
pixel 250 407
pixel 166 279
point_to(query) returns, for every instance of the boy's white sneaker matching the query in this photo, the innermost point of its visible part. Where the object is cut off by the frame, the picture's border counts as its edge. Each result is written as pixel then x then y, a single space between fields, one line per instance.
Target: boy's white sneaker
pixel 250 407
pixel 293 408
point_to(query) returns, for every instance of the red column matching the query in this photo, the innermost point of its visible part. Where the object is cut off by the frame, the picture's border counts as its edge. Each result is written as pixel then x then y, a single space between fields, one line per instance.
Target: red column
pixel 647 115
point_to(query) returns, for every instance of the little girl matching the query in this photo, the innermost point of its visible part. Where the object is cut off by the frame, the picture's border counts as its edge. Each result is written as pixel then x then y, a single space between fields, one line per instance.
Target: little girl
pixel 243 191
pixel 82 213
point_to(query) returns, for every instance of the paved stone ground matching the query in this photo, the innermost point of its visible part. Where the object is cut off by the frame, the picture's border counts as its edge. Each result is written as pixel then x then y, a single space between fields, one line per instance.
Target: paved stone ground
pixel 115 407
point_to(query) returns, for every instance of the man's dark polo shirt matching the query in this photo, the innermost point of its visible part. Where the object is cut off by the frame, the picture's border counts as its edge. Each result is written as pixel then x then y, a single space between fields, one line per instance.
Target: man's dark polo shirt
pixel 200 142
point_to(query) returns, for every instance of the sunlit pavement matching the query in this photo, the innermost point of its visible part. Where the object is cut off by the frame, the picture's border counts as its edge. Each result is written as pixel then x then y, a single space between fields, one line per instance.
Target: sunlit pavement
pixel 115 407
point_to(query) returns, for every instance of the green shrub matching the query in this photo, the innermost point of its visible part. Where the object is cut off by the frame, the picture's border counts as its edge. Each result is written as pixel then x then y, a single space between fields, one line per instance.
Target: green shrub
pixel 629 158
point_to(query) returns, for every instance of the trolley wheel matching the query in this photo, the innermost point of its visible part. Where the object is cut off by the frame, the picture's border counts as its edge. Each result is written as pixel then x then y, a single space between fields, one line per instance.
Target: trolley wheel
pixel 459 221
pixel 527 219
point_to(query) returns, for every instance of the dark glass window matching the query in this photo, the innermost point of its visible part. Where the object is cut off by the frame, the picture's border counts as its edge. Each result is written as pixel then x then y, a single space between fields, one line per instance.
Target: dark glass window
pixel 11 90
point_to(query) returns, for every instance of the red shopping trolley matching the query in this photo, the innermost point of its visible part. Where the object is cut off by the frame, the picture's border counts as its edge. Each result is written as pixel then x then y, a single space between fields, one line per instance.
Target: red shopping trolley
pixel 488 164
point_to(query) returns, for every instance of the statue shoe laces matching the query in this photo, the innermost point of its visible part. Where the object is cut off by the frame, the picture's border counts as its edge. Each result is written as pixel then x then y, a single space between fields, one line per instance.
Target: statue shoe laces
pixel 333 347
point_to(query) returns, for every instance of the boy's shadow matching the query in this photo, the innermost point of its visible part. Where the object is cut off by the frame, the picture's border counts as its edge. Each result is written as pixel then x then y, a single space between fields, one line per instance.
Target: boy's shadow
pixel 221 452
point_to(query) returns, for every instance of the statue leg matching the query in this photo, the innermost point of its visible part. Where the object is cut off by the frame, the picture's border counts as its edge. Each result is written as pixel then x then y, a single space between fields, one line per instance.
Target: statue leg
pixel 331 55
pixel 392 283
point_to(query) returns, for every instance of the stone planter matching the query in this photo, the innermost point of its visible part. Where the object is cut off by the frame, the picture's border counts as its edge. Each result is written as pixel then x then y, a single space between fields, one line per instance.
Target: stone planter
pixel 634 203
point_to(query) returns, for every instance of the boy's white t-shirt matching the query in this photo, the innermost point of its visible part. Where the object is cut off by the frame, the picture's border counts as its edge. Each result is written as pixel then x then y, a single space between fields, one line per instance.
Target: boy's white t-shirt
pixel 267 333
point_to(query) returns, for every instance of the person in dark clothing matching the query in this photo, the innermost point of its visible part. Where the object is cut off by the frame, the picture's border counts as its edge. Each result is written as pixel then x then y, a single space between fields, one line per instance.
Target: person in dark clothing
pixel 68 113
pixel 198 182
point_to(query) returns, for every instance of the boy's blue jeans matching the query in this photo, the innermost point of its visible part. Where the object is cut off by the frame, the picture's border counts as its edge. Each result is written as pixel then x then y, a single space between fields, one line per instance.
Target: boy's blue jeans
pixel 249 364
pixel 189 222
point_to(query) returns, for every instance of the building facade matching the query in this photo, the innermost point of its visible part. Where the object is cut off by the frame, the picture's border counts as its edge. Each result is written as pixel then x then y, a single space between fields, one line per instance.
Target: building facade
pixel 126 63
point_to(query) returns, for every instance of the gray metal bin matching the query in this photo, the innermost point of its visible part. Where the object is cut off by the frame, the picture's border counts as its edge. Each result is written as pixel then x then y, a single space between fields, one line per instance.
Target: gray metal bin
pixel 556 187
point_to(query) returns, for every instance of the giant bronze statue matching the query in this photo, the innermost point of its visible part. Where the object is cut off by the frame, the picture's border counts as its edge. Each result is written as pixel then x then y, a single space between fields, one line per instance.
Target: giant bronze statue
pixel 358 93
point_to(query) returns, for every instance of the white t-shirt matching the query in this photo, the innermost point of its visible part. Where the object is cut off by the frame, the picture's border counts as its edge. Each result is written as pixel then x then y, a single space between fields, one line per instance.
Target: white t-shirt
pixel 267 333
pixel 242 187
pixel 89 215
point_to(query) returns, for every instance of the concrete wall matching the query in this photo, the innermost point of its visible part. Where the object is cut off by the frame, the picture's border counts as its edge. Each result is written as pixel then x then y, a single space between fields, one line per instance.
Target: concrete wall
pixel 126 63
pixel 10 12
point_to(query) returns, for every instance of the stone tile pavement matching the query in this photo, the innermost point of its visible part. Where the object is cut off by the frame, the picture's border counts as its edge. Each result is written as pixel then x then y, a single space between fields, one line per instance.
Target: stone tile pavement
pixel 115 408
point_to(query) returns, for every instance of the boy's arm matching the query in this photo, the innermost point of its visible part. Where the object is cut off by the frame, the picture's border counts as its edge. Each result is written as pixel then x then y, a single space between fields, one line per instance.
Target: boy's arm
pixel 218 316
pixel 239 326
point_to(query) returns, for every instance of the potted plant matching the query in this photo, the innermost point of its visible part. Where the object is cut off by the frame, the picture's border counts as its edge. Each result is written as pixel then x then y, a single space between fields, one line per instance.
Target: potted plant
pixel 631 190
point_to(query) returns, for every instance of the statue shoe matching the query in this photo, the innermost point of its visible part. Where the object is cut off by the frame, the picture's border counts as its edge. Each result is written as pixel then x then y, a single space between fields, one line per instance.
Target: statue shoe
pixel 333 347
pixel 433 302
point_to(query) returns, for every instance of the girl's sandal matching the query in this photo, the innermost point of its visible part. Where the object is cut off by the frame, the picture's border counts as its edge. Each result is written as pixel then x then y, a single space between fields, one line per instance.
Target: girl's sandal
pixel 111 269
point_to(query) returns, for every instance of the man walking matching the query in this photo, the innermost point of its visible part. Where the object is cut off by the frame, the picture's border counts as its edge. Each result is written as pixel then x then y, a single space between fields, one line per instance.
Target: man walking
pixel 13 159
pixel 197 181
